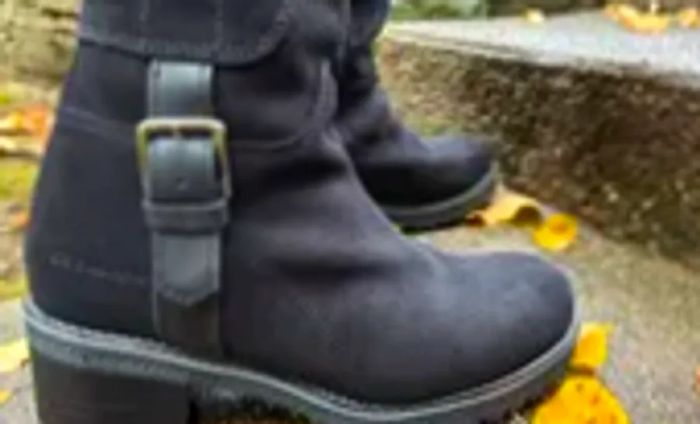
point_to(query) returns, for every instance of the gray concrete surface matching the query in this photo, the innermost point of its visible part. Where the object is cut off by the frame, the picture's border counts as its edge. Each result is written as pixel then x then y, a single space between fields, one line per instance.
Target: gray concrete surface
pixel 653 303
pixel 584 39
pixel 586 115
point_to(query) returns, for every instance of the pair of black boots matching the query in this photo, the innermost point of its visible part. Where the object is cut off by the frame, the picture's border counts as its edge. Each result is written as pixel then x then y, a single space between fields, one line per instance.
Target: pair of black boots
pixel 204 237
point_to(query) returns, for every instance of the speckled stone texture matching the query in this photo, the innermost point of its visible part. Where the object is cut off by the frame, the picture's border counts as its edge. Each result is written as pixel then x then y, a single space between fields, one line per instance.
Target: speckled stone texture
pixel 37 37
pixel 596 120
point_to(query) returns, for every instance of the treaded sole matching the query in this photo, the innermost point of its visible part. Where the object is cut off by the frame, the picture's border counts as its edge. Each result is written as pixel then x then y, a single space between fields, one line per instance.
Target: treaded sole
pixel 447 211
pixel 84 376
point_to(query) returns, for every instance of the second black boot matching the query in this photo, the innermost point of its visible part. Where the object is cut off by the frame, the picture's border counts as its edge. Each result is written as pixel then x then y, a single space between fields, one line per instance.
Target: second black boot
pixel 200 243
pixel 419 184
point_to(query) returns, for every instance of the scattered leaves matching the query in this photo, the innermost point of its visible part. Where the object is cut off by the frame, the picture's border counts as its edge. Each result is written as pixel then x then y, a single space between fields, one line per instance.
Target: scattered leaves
pixel 581 399
pixel 592 349
pixel 688 18
pixel 557 233
pixel 5 396
pixel 19 220
pixel 37 121
pixel 553 232
pixel 12 124
pixel 21 147
pixel 614 11
pixel 24 132
pixel 13 355
pixel 645 22
pixel 648 23
pixel 33 120
pixel 534 16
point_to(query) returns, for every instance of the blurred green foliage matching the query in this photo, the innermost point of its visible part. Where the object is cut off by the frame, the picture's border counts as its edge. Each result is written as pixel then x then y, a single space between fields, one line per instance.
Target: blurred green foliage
pixel 438 9
pixel 16 180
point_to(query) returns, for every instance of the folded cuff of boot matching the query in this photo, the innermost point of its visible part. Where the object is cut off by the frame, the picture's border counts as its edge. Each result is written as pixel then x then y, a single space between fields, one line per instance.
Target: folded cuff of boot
pixel 229 32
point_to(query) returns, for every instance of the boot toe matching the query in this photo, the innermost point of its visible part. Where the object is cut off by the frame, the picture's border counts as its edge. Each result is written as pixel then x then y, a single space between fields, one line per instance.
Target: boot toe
pixel 464 161
pixel 492 317
pixel 518 307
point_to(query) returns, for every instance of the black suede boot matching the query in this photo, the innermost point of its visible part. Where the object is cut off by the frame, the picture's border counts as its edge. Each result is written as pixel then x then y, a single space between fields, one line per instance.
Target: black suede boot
pixel 229 252
pixel 418 184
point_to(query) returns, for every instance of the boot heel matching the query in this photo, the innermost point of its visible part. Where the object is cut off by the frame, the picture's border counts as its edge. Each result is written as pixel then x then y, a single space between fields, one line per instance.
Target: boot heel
pixel 70 395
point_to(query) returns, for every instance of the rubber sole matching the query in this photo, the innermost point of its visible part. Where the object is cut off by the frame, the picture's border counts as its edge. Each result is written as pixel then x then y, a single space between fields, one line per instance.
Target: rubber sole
pixel 84 376
pixel 448 211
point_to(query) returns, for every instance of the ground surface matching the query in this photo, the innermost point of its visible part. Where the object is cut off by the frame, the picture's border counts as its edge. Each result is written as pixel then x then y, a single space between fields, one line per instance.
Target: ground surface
pixel 587 115
pixel 585 38
pixel 654 304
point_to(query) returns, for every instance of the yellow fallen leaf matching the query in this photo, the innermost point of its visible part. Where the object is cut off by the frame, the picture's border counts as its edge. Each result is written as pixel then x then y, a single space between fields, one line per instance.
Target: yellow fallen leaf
pixel 534 16
pixel 610 10
pixel 34 120
pixel 13 355
pixel 8 145
pixel 620 11
pixel 509 207
pixel 581 399
pixel 22 146
pixel 5 397
pixel 688 17
pixel 13 289
pixel 649 23
pixel 557 232
pixel 592 349
pixel 12 124
pixel 37 120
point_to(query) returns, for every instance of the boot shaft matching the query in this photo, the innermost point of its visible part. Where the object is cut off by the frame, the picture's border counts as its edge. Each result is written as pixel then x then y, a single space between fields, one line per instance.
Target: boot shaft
pixel 89 235
pixel 315 286
pixel 269 58
pixel 357 74
pixel 229 32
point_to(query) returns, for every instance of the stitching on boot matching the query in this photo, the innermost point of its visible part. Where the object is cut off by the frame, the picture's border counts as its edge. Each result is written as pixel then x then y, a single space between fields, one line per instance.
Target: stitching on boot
pixel 240 54
pixel 76 265
pixel 320 113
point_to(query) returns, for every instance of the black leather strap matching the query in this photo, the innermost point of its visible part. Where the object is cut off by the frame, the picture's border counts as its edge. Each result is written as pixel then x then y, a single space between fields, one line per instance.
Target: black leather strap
pixel 186 193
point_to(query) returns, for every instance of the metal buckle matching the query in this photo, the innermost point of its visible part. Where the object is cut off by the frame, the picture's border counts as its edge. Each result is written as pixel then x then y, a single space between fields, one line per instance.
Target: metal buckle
pixel 183 128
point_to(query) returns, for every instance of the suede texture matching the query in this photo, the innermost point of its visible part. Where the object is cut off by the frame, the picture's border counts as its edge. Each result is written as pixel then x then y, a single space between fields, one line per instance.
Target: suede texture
pixel 394 163
pixel 318 287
